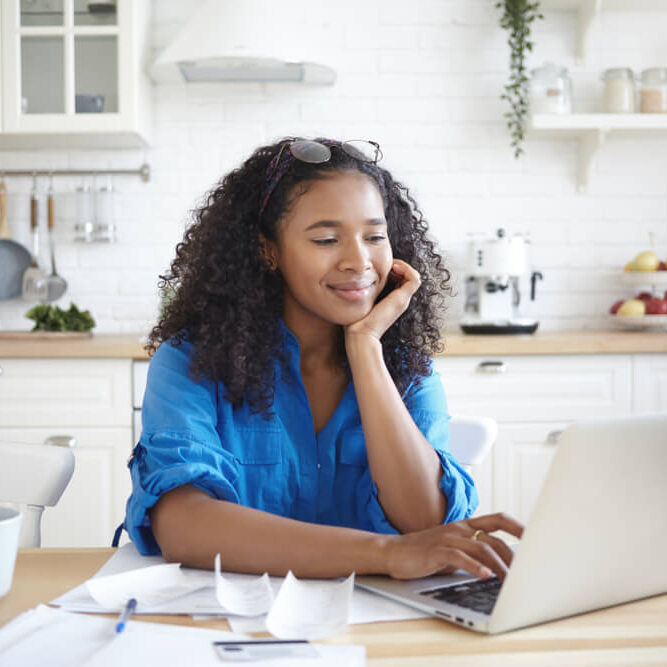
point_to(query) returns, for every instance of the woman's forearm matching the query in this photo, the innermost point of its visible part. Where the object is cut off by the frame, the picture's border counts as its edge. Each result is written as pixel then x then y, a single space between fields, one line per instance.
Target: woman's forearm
pixel 191 527
pixel 403 465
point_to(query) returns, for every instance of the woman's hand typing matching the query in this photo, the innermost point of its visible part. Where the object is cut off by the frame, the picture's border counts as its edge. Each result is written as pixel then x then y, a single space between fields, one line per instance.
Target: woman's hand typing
pixel 444 549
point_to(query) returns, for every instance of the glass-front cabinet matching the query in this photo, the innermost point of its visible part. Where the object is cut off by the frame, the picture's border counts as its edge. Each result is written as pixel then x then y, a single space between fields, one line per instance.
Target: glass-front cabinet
pixel 72 73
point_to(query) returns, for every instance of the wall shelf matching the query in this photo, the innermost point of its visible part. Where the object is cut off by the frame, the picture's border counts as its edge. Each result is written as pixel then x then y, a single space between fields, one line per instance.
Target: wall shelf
pixel 589 10
pixel 592 130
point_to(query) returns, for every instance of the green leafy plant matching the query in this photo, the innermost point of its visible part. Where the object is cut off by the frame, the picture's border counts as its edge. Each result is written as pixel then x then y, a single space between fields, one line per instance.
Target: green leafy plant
pixel 53 318
pixel 517 17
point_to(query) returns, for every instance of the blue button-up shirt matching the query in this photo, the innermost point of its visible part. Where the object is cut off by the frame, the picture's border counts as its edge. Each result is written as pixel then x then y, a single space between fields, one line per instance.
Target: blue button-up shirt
pixel 192 435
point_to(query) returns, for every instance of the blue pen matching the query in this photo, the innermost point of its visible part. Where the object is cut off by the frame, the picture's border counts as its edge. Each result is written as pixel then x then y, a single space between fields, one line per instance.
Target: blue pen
pixel 130 608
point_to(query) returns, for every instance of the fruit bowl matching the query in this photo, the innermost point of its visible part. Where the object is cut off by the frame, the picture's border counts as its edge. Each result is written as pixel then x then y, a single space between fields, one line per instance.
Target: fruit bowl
pixel 641 278
pixel 640 321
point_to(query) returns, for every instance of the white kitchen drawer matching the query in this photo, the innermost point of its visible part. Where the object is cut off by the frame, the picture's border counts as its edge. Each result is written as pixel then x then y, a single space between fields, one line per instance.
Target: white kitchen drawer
pixel 77 392
pixel 93 503
pixel 538 388
pixel 650 383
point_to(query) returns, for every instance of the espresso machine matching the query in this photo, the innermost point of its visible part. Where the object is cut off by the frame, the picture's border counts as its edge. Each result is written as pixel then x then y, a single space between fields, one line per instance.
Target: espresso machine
pixel 494 267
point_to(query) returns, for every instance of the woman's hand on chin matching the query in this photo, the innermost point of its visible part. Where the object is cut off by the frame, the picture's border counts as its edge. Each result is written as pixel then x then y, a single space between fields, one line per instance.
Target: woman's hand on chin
pixel 385 312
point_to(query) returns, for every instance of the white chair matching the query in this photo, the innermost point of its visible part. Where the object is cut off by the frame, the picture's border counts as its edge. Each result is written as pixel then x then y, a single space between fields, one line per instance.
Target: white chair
pixel 34 476
pixel 471 439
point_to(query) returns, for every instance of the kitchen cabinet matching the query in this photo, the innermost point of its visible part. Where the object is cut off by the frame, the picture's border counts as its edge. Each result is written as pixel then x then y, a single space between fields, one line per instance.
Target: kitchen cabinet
pixel 73 78
pixel 90 400
pixel 650 382
pixel 533 398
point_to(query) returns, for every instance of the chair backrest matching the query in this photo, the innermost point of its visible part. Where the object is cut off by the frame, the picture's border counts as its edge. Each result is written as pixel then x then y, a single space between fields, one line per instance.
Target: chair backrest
pixel 33 476
pixel 471 438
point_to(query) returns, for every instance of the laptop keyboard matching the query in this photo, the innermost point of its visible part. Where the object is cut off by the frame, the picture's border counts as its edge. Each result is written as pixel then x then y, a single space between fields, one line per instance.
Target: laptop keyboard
pixel 479 595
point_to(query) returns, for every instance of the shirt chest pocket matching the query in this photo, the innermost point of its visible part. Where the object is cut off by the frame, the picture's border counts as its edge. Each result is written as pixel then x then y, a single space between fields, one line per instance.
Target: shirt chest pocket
pixel 261 480
pixel 352 449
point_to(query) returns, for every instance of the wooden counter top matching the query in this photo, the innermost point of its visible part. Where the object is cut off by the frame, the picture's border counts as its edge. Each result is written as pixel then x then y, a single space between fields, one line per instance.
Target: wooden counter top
pixel 98 346
pixel 456 344
pixel 630 634
pixel 582 341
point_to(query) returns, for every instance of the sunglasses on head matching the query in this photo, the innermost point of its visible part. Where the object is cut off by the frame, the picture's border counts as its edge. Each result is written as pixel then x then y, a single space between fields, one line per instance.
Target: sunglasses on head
pixel 314 152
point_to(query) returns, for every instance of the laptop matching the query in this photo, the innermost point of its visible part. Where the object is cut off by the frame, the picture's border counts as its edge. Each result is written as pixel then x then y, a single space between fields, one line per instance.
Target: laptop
pixel 597 536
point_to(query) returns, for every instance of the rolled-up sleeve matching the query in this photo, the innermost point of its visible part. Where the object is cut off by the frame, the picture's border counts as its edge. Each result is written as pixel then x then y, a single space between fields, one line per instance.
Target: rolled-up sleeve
pixel 179 443
pixel 427 404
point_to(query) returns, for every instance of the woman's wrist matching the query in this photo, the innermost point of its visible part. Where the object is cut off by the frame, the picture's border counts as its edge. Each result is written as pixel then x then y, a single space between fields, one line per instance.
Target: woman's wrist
pixel 380 554
pixel 361 345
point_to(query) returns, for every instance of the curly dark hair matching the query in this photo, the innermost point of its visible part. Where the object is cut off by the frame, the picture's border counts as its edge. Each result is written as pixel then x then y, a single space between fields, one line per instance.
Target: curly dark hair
pixel 228 303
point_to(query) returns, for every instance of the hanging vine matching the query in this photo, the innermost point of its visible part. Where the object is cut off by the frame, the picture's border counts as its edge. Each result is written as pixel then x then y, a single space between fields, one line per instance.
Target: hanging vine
pixel 517 17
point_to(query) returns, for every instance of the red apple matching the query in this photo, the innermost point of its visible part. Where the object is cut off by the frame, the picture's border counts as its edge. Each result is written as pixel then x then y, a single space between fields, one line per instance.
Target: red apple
pixel 662 267
pixel 644 296
pixel 616 306
pixel 656 307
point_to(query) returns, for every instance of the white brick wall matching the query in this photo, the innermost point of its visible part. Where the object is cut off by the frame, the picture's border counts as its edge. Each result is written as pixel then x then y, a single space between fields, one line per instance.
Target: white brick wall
pixel 423 78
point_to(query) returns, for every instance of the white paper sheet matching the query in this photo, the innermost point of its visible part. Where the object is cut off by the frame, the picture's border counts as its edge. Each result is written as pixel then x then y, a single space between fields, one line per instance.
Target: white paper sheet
pixel 202 601
pixel 310 609
pixel 52 637
pixel 249 596
pixel 150 586
pixel 366 607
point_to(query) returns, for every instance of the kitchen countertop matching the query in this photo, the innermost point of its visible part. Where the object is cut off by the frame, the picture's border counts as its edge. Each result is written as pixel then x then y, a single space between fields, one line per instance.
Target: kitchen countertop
pixel 124 346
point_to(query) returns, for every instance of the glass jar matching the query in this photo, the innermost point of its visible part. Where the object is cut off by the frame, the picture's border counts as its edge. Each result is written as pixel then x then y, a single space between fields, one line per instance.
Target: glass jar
pixel 619 90
pixel 550 90
pixel 653 93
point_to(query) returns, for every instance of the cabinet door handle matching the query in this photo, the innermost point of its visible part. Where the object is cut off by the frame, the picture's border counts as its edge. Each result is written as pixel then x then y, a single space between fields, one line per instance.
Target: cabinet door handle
pixel 491 367
pixel 1 371
pixel 60 441
pixel 554 437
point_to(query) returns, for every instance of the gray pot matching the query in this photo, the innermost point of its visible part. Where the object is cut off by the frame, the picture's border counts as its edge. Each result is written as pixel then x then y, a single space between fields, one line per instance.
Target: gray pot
pixel 14 260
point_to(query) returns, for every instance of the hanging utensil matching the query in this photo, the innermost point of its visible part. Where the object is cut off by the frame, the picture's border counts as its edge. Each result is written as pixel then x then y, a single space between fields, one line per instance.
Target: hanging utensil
pixel 56 285
pixel 5 232
pixel 34 279
pixel 14 258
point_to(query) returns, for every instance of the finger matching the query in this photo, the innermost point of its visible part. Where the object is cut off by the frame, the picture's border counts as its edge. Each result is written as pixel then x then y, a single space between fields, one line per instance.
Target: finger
pixel 452 559
pixel 401 268
pixel 482 552
pixel 498 546
pixel 500 521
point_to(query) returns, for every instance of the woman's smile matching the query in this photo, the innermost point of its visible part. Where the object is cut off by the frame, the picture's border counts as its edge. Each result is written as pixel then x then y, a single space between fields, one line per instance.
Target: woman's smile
pixel 354 291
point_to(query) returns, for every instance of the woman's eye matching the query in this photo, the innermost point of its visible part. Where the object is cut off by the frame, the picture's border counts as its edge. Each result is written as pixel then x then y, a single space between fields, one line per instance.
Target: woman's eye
pixel 377 238
pixel 324 241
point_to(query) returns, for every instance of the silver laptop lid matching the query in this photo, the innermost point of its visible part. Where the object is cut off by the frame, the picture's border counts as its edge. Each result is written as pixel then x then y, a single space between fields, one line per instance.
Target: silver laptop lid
pixel 598 533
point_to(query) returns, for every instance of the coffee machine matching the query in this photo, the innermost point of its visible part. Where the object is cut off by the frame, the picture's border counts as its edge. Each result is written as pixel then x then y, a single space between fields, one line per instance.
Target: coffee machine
pixel 494 266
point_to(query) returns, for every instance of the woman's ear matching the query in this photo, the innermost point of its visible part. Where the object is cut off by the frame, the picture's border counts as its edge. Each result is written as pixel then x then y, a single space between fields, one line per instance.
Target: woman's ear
pixel 268 252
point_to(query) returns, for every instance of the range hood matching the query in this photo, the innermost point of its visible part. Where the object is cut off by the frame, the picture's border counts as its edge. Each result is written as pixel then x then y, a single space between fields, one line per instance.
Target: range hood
pixel 244 40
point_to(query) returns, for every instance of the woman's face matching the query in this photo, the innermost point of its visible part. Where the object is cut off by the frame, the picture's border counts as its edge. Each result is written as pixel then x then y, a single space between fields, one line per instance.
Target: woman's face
pixel 333 250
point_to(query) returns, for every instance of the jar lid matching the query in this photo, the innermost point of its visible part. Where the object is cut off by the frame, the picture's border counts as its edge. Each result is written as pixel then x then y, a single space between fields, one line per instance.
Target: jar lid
pixel 617 73
pixel 655 73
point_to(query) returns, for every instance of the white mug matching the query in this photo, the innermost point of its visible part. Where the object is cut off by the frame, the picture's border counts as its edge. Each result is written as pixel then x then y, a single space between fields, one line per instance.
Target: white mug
pixel 10 527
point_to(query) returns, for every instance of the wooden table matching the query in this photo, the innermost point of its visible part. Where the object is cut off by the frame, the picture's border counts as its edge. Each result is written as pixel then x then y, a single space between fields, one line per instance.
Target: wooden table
pixel 630 634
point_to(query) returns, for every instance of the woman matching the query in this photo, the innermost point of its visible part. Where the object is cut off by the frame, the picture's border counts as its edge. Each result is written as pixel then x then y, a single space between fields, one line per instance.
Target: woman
pixel 292 419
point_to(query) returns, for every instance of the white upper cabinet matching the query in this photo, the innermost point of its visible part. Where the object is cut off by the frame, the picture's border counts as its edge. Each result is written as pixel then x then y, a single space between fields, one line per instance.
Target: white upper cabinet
pixel 73 77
